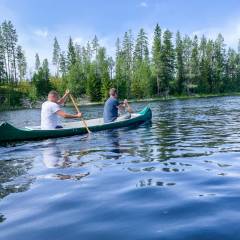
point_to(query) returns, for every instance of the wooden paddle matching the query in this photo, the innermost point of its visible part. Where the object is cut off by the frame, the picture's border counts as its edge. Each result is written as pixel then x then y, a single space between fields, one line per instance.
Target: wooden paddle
pixel 75 105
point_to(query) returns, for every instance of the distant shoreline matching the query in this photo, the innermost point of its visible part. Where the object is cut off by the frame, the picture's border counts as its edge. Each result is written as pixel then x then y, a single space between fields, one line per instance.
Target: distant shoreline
pixel 86 103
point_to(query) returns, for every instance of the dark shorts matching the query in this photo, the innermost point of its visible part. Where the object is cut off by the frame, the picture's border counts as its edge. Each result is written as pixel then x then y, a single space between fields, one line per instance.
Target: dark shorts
pixel 58 126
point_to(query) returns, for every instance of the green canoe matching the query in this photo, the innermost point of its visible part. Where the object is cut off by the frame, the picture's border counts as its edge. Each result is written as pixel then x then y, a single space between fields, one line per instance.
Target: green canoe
pixel 9 133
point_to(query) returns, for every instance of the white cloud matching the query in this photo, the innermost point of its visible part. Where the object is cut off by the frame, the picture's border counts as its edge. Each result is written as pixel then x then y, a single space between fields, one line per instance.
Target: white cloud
pixel 41 41
pixel 78 40
pixel 230 32
pixel 143 4
pixel 41 33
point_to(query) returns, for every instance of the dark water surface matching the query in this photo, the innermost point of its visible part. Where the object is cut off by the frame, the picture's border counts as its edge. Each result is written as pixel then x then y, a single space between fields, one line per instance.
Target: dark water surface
pixel 177 178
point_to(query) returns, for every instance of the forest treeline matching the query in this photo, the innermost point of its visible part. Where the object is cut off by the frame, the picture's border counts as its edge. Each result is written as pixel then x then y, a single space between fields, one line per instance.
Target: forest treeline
pixel 174 64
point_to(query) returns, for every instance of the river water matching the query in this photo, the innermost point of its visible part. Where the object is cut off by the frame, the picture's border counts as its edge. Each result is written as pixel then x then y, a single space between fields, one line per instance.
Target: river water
pixel 175 178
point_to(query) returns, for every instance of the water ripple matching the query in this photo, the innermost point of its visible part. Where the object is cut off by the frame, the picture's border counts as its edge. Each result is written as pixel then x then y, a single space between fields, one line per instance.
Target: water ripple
pixel 175 178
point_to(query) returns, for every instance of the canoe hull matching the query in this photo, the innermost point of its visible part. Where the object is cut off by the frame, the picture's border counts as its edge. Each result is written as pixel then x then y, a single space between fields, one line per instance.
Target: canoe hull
pixel 9 133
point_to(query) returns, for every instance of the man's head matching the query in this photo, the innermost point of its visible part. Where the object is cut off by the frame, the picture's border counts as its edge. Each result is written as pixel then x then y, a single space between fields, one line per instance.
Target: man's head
pixel 113 92
pixel 53 96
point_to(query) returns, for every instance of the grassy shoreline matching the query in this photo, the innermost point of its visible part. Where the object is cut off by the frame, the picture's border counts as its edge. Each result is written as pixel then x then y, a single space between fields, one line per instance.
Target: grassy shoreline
pixel 153 99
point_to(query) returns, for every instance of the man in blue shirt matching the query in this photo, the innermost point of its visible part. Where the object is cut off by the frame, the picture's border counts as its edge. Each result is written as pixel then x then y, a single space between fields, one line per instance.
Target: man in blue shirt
pixel 112 105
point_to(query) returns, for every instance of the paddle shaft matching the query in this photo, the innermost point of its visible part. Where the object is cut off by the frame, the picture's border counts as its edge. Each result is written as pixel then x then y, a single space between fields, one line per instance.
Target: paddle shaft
pixel 75 105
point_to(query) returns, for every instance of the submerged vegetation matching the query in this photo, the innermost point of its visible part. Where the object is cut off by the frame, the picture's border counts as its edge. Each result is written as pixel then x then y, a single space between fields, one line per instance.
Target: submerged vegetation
pixel 175 65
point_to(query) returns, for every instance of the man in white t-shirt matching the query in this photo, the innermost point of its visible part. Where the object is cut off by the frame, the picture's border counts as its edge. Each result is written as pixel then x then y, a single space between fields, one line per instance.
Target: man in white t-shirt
pixel 51 111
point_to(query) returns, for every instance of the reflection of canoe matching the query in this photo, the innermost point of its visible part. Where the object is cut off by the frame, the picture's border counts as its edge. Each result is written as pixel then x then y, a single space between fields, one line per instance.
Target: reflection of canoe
pixel 9 133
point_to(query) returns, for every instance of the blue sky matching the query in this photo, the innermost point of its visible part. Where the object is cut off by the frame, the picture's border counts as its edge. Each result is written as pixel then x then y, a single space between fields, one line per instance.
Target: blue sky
pixel 37 22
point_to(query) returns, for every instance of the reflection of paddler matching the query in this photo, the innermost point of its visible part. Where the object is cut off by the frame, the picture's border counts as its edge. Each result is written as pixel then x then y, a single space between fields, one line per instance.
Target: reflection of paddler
pixel 112 140
pixel 52 156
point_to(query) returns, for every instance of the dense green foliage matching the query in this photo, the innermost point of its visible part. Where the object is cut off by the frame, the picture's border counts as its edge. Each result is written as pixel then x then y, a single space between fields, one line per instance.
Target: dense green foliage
pixel 13 65
pixel 176 65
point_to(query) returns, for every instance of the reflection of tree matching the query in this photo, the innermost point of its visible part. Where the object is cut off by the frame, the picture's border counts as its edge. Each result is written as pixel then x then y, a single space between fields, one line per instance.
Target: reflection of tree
pixel 152 182
pixel 112 141
pixel 139 144
pixel 2 218
pixel 13 176
pixel 72 177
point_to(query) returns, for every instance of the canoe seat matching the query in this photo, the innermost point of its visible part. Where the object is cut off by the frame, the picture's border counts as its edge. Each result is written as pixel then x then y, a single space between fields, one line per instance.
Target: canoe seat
pixel 33 127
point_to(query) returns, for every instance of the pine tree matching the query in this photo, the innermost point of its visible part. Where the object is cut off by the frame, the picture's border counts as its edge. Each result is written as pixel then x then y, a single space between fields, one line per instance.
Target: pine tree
pixel 21 63
pixel 203 83
pixel 76 81
pixel 194 73
pixel 219 61
pixel 237 84
pixel 120 81
pixel 209 64
pixel 56 55
pixel 9 37
pixel 156 56
pixel 111 67
pixel 9 53
pixel 127 55
pixel 167 62
pixel 2 59
pixel 94 84
pixel 63 71
pixel 180 79
pixel 95 45
pixel 78 50
pixel 37 62
pixel 86 58
pixel 71 55
pixel 230 81
pixel 187 52
pixel 141 67
pixel 41 79
pixel 63 64
pixel 45 67
pixel 103 72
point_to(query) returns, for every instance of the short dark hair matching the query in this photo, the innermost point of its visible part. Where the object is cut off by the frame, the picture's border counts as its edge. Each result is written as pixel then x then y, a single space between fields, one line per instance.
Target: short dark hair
pixel 112 91
pixel 53 92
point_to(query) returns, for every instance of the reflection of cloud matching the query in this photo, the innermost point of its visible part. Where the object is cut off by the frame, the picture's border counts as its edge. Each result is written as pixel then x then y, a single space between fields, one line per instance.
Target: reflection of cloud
pixel 41 33
pixel 143 4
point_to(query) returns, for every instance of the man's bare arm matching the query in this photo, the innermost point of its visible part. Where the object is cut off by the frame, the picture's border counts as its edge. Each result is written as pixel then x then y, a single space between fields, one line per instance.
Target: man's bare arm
pixel 64 98
pixel 125 105
pixel 67 115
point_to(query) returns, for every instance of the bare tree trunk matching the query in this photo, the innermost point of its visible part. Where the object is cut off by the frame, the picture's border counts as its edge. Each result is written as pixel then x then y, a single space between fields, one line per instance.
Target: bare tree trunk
pixel 6 68
pixel 158 85
pixel 14 65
